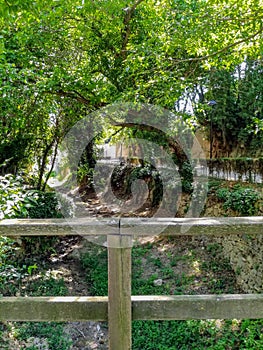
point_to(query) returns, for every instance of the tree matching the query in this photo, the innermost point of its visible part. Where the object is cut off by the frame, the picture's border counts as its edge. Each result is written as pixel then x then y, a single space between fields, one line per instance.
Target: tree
pixel 67 59
pixel 237 117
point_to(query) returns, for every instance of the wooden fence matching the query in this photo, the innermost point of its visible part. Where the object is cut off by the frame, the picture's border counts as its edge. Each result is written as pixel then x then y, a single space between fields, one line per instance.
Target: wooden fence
pixel 120 308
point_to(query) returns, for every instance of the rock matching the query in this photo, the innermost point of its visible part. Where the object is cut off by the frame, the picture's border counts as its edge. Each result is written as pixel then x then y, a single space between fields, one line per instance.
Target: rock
pixel 158 282
pixel 37 343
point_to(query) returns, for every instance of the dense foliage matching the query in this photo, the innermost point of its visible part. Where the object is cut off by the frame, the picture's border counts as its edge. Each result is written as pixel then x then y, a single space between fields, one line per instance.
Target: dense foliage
pixel 18 201
pixel 236 119
pixel 62 59
pixel 243 200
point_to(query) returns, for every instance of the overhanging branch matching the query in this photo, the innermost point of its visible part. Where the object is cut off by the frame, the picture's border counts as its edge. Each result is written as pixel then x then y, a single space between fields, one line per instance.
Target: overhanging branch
pixel 173 145
pixel 73 94
pixel 224 49
pixel 129 11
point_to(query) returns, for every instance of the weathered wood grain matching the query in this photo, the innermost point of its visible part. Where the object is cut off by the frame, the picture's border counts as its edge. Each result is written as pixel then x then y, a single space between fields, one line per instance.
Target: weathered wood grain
pixel 190 307
pixel 59 227
pixel 192 226
pixel 119 292
pixel 53 308
pixel 133 226
pixel 178 307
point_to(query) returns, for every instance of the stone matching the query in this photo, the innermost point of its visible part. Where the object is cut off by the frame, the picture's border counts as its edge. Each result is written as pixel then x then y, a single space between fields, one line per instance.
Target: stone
pixel 158 282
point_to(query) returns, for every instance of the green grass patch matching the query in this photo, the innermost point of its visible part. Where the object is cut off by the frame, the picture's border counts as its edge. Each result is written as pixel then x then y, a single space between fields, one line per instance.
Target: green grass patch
pixel 171 335
pixel 49 333
pixel 26 279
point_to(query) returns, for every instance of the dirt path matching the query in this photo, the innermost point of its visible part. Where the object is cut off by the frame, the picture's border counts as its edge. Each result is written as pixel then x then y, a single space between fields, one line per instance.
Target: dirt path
pixel 67 265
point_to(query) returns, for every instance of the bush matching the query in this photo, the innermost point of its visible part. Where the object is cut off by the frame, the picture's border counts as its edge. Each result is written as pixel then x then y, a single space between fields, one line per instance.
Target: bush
pixel 186 174
pixel 43 205
pixel 240 199
pixel 16 201
pixel 13 202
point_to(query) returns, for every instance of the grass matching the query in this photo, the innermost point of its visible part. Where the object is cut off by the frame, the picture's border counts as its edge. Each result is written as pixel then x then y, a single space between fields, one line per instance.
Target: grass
pixel 36 335
pixel 29 280
pixel 213 274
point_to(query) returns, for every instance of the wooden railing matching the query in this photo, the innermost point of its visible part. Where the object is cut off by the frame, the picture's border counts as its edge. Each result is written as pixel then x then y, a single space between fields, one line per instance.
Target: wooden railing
pixel 120 308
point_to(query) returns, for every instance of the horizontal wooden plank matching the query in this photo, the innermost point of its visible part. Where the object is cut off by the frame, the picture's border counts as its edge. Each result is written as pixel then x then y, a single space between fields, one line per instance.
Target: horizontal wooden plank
pixel 59 227
pixel 133 226
pixel 53 308
pixel 178 307
pixel 192 226
pixel 188 307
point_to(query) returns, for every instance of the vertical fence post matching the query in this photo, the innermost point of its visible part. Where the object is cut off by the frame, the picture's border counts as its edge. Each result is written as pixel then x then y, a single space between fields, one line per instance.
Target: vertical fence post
pixel 119 292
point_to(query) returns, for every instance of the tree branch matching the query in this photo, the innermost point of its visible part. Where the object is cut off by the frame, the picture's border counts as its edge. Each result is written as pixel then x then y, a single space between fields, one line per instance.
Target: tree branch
pixel 224 49
pixel 127 28
pixel 80 98
pixel 73 94
pixel 172 143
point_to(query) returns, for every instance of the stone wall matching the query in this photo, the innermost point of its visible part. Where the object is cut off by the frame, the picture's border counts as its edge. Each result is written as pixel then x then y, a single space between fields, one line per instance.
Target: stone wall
pixel 245 253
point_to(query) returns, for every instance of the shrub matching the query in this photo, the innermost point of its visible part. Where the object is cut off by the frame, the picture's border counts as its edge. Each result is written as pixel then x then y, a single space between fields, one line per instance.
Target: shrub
pixel 43 205
pixel 13 202
pixel 16 201
pixel 186 174
pixel 240 199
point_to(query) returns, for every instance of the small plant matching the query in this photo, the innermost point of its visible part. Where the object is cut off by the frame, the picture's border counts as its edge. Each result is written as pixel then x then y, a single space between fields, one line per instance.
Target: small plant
pixel 95 263
pixel 50 333
pixel 214 249
pixel 16 201
pixel 240 199
pixel 45 287
pixel 31 268
pixel 214 184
